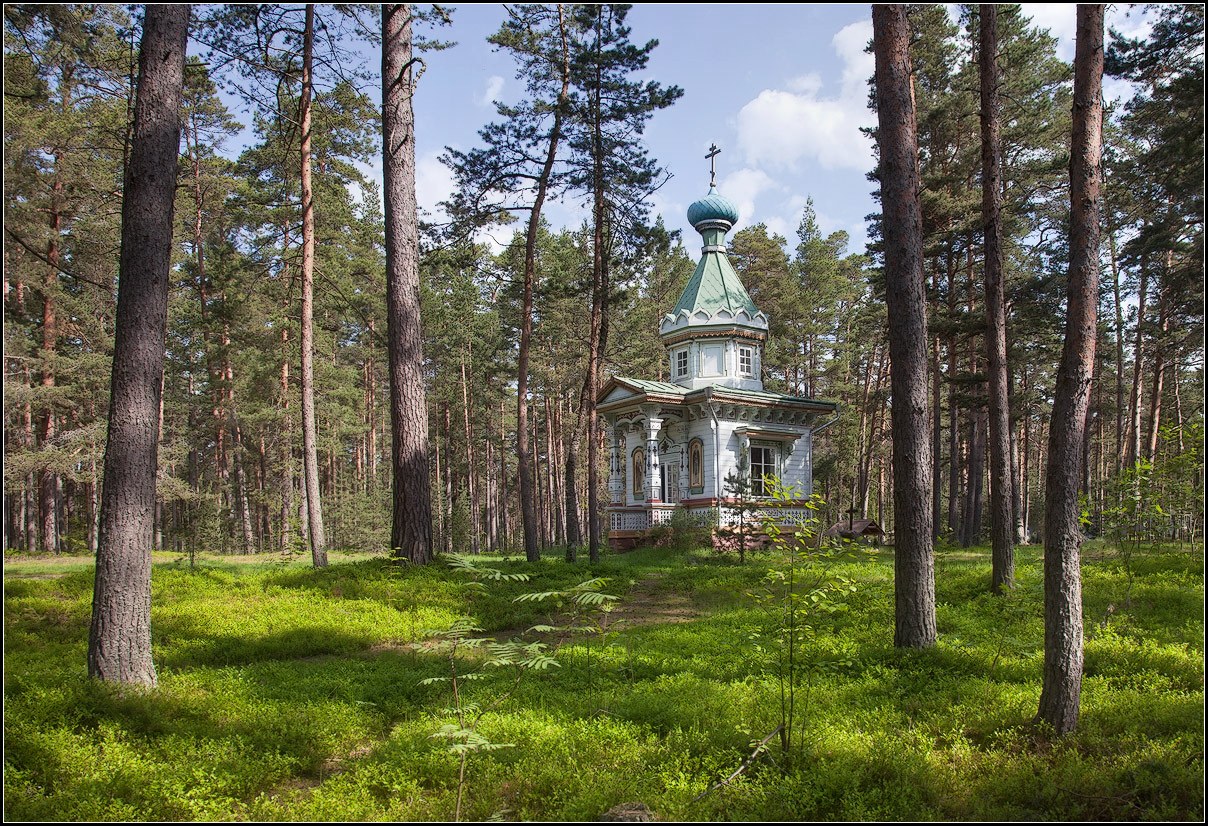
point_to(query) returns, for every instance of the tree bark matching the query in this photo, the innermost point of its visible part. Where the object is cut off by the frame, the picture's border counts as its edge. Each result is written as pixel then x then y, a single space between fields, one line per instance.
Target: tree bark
pixel 119 646
pixel 411 531
pixel 1002 574
pixel 914 566
pixel 1062 685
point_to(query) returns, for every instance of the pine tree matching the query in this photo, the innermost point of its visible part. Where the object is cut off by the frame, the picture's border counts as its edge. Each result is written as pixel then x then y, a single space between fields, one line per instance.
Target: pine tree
pixel 411 534
pixel 1059 697
pixel 516 171
pixel 914 579
pixel 1002 551
pixel 119 646
pixel 610 113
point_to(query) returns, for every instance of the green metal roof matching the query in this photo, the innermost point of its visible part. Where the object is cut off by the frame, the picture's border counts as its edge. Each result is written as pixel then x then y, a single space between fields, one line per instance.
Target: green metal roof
pixel 646 386
pixel 765 396
pixel 754 396
pixel 714 286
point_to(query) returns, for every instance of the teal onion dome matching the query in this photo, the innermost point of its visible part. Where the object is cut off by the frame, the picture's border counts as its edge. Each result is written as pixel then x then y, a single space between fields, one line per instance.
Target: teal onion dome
pixel 712 207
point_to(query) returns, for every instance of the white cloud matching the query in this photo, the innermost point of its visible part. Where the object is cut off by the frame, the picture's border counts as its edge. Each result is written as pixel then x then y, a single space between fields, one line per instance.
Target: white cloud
pixel 1061 19
pixel 780 226
pixel 809 85
pixel 780 128
pixel 743 187
pixel 491 93
pixel 858 65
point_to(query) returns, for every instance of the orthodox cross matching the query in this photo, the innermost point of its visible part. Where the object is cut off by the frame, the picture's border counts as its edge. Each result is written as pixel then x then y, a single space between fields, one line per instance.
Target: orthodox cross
pixel 713 153
pixel 851 512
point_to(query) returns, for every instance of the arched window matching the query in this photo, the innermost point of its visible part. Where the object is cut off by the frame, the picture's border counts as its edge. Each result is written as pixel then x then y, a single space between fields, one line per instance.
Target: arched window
pixel 639 473
pixel 696 466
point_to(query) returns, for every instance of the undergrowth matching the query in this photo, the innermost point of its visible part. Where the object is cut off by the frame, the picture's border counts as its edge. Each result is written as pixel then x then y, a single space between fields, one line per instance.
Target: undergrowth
pixel 293 694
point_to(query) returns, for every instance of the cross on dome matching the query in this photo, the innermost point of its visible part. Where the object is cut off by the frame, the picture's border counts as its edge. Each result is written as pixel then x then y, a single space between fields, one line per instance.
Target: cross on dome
pixel 713 153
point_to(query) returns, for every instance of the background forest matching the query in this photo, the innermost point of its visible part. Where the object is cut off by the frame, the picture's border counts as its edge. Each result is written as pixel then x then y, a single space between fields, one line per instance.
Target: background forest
pixel 230 475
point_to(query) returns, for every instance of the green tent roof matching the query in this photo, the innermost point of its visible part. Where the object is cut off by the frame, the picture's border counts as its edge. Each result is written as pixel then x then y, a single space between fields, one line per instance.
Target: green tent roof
pixel 714 286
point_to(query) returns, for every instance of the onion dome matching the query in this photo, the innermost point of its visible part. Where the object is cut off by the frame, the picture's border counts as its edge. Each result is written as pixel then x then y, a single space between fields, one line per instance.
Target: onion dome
pixel 712 207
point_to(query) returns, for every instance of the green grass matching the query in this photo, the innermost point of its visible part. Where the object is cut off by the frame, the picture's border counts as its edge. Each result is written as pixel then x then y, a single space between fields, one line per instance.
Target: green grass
pixel 292 694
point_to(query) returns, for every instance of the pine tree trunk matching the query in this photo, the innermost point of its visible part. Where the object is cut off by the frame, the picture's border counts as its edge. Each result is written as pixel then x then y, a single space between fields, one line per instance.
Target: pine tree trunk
pixel 30 528
pixel 937 432
pixel 287 453
pixel 119 646
pixel 1132 450
pixel 972 522
pixel 1017 467
pixel 528 499
pixel 954 465
pixel 471 464
pixel 1119 307
pixel 244 508
pixel 310 450
pixel 1159 371
pixel 411 531
pixel 914 566
pixel 504 523
pixel 1025 479
pixel 1002 573
pixel 1062 685
pixel 595 436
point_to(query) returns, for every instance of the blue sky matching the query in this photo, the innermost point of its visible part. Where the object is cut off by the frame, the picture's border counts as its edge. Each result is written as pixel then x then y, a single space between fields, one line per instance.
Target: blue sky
pixel 781 89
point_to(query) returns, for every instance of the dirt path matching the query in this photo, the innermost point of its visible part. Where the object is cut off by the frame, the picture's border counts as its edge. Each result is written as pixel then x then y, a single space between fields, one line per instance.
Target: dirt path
pixel 650 603
pixel 647 602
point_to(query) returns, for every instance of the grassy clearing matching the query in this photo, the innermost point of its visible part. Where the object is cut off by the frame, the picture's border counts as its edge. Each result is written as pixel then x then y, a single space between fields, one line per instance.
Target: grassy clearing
pixel 293 694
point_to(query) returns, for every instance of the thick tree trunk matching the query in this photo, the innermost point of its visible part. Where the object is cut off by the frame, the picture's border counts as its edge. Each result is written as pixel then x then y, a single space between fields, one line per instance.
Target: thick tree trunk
pixel 1063 533
pixel 411 532
pixel 914 566
pixel 119 647
pixel 1002 574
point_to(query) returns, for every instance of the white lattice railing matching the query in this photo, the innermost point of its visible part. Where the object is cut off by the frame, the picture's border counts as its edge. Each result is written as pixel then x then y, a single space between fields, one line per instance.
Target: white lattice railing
pixel 627 521
pixel 662 515
pixel 796 517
